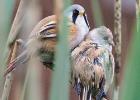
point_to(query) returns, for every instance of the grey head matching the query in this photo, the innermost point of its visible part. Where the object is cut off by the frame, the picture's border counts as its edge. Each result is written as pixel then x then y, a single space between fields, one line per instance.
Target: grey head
pixel 102 36
pixel 76 13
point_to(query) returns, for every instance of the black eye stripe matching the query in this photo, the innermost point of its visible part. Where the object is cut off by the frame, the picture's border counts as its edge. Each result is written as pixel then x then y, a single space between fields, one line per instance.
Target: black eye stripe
pixel 75 11
pixel 75 15
pixel 86 20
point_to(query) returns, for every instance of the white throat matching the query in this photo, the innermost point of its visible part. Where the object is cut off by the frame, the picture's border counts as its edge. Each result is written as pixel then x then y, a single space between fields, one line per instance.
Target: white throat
pixel 80 21
pixel 83 30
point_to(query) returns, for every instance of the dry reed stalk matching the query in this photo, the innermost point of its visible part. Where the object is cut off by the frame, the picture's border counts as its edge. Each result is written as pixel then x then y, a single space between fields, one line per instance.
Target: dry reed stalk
pixel 117 40
pixel 137 7
pixel 138 12
pixel 18 20
pixel 6 9
pixel 58 4
pixel 12 36
pixel 117 34
pixel 32 88
pixel 9 77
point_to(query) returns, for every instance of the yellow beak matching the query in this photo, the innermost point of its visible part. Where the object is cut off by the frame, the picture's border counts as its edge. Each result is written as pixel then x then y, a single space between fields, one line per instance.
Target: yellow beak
pixel 81 13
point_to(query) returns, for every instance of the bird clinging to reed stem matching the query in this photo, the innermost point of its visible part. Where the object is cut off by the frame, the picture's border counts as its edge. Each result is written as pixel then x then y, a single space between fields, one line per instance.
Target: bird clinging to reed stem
pixel 43 38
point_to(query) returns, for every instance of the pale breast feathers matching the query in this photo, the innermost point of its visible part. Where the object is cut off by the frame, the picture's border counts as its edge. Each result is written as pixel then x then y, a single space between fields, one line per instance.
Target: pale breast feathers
pixel 86 62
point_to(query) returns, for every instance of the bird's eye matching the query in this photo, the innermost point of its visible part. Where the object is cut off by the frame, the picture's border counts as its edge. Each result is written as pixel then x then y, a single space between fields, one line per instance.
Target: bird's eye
pixel 74 15
pixel 76 12
pixel 105 38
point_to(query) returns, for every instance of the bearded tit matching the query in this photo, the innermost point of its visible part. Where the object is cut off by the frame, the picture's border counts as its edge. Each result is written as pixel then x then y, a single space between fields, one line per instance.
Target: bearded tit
pixel 43 38
pixel 93 64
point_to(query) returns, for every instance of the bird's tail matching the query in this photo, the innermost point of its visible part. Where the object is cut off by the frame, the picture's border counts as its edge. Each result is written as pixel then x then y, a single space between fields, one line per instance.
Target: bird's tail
pixel 20 59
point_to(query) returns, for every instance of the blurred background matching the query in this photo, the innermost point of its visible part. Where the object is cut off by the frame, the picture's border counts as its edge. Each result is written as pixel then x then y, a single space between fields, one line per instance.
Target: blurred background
pixel 39 9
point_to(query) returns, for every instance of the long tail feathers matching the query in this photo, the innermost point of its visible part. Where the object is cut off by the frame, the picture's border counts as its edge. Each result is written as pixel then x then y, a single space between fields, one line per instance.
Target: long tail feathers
pixel 85 93
pixel 20 59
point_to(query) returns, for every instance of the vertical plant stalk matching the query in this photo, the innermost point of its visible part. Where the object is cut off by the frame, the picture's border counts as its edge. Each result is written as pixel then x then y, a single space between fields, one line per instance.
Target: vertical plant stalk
pixel 6 9
pixel 117 40
pixel 117 34
pixel 61 74
pixel 32 88
pixel 9 77
pixel 138 13
pixel 97 13
pixel 12 36
pixel 58 4
pixel 32 85
pixel 18 20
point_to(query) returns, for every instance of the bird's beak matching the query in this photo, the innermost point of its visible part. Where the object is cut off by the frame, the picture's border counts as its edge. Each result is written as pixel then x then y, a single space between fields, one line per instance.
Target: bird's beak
pixel 112 43
pixel 81 13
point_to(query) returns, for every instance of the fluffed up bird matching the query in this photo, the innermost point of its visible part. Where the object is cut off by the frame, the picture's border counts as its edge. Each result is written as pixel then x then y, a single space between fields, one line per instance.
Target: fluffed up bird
pixel 93 65
pixel 43 38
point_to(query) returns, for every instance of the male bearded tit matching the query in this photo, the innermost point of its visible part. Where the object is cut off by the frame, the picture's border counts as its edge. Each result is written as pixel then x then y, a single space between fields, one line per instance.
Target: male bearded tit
pixel 43 38
pixel 93 65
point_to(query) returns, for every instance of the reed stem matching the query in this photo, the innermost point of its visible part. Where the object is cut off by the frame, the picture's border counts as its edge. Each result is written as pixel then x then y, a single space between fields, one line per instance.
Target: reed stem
pixel 9 77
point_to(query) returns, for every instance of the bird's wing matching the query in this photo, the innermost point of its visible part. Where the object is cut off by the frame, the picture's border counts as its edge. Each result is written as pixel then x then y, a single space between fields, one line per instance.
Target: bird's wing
pixel 46 28
pixel 107 60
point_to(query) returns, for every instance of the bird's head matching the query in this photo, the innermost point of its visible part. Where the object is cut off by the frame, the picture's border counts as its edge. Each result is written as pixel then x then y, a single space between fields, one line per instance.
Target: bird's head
pixel 76 13
pixel 102 36
pixel 106 35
